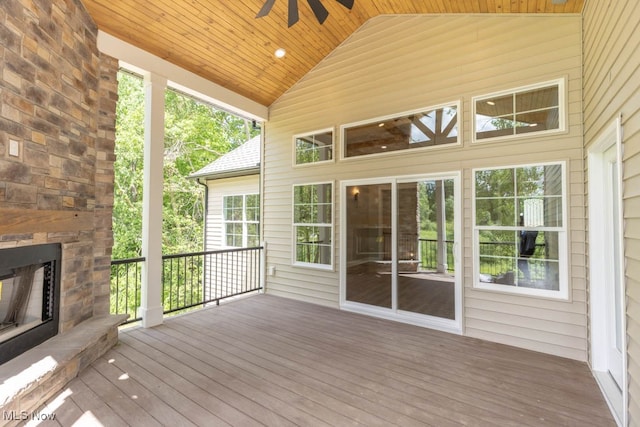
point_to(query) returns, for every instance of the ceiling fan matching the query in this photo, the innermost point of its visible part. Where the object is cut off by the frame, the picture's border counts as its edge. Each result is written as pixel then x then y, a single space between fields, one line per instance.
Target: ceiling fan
pixel 319 10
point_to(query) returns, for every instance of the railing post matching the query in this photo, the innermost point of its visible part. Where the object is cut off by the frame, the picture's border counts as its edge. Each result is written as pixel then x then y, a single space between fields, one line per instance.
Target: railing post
pixel 263 267
pixel 151 309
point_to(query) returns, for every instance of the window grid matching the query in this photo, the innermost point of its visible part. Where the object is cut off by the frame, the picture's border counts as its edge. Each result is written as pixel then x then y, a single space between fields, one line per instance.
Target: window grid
pixel 313 225
pixel 532 110
pixel 313 148
pixel 520 233
pixel 427 128
pixel 241 217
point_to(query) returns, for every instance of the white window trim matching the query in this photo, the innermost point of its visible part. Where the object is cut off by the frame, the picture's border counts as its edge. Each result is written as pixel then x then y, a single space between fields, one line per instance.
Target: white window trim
pixel 302 135
pixel 294 262
pixel 562 111
pixel 563 236
pixel 244 220
pixel 412 151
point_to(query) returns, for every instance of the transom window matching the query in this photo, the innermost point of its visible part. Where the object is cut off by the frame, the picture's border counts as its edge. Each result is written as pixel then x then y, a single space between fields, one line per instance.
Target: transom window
pixel 434 126
pixel 520 230
pixel 314 147
pixel 241 214
pixel 313 225
pixel 522 111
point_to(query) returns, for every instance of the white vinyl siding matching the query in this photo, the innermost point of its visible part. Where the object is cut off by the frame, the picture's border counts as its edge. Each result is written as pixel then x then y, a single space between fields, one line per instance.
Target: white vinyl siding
pixel 217 190
pixel 403 63
pixel 612 89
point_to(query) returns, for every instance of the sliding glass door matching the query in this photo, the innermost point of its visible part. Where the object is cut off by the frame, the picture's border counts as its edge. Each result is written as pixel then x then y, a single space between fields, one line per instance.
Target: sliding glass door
pixel 399 239
pixel 368 247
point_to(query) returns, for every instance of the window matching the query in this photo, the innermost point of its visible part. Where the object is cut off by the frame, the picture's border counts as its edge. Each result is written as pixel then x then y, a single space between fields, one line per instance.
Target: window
pixel 315 147
pixel 520 230
pixel 531 109
pixel 430 127
pixel 313 225
pixel 241 216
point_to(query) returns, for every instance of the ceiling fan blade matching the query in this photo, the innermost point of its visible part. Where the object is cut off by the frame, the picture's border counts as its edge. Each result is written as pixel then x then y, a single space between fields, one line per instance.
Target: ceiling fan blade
pixel 293 12
pixel 318 10
pixel 266 8
pixel 346 3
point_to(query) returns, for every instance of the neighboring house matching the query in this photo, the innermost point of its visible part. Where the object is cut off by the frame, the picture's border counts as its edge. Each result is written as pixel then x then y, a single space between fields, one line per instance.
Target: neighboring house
pixel 232 198
pixel 232 220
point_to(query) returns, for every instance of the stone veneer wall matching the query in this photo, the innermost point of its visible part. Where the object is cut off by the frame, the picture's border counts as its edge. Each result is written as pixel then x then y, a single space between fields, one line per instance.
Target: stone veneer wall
pixel 58 98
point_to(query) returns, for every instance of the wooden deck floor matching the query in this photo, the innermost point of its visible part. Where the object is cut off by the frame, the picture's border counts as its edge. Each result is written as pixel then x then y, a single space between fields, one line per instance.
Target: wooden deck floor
pixel 265 360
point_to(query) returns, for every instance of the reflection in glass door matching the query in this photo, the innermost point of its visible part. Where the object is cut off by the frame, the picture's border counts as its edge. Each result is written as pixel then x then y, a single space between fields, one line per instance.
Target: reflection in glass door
pixel 426 282
pixel 399 250
pixel 368 248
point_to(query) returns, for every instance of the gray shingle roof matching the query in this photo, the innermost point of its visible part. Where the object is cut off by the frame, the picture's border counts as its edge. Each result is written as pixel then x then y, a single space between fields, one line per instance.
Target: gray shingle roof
pixel 244 160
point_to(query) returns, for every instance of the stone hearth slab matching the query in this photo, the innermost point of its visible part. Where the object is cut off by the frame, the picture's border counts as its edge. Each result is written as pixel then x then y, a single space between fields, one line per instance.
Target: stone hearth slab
pixel 27 381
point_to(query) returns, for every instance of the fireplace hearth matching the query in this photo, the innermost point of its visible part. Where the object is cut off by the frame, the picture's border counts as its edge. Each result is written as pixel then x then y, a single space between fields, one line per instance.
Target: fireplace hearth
pixel 29 297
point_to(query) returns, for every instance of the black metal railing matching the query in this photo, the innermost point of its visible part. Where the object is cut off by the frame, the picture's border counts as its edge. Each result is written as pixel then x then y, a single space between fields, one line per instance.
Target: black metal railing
pixel 126 283
pixel 188 280
pixel 500 258
pixel 429 254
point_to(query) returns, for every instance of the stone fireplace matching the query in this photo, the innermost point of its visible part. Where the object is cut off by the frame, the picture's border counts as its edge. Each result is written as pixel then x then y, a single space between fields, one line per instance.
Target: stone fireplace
pixel 58 98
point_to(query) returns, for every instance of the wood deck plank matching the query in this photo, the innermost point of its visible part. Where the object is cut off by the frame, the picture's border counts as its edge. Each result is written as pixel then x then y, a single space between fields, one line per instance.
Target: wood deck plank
pixel 484 371
pixel 209 378
pixel 331 386
pixel 193 391
pixel 265 360
pixel 331 373
pixel 149 402
pixel 93 407
pixel 162 387
pixel 275 399
pixel 118 401
pixel 328 407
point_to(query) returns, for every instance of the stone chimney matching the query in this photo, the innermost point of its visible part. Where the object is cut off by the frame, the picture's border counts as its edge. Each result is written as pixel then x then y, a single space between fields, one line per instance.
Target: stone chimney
pixel 57 134
pixel 58 98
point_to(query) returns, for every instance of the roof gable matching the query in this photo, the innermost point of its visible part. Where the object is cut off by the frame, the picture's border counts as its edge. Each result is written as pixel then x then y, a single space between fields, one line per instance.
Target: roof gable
pixel 244 160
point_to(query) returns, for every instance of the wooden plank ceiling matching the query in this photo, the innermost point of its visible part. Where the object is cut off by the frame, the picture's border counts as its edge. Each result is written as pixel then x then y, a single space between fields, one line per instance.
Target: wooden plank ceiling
pixel 222 41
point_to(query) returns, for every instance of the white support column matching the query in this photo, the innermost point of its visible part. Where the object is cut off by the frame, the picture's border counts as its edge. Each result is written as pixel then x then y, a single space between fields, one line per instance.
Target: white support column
pixel 441 227
pixel 151 299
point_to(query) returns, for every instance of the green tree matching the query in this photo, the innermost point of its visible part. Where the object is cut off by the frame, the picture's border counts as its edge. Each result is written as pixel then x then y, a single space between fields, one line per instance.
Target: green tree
pixel 195 135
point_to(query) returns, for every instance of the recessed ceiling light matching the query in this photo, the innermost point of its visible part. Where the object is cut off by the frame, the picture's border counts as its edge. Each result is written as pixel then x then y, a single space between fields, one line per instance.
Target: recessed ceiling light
pixel 280 53
pixel 384 147
pixel 491 103
pixel 380 125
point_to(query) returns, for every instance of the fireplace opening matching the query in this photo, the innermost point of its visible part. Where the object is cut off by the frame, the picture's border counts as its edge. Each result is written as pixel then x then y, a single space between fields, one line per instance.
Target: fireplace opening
pixel 29 297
